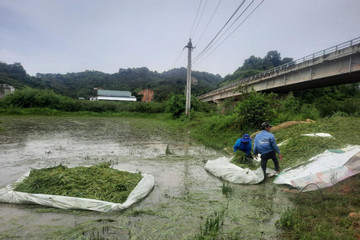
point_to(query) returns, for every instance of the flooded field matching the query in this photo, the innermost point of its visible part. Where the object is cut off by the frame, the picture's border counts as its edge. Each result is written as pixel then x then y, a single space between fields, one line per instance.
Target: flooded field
pixel 184 196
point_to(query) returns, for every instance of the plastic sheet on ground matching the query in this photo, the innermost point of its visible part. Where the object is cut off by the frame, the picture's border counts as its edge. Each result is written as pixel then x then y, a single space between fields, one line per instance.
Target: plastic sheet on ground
pixel 222 168
pixel 318 135
pixel 323 170
pixel 8 195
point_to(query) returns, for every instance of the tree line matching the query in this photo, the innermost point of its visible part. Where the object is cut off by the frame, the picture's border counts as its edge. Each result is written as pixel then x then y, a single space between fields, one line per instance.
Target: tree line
pixel 82 84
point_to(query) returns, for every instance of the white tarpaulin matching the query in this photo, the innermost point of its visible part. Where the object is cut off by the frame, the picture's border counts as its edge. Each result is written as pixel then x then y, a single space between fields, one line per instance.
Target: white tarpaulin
pixel 324 170
pixel 8 195
pixel 318 135
pixel 222 168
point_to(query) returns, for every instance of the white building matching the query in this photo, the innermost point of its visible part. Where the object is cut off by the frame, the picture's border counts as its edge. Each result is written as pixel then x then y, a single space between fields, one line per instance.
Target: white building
pixel 5 89
pixel 112 95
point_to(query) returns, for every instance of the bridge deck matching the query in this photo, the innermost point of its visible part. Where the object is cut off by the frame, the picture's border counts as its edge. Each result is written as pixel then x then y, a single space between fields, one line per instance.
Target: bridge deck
pixel 333 66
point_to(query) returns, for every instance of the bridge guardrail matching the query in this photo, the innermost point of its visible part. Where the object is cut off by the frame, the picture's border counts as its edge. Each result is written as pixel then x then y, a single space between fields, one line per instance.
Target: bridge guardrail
pixel 290 64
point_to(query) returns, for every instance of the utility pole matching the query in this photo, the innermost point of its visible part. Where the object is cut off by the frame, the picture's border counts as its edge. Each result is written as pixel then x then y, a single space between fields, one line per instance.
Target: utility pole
pixel 188 79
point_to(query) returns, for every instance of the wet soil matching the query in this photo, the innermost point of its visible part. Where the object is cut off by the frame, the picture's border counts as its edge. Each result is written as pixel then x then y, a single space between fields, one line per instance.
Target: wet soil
pixel 183 197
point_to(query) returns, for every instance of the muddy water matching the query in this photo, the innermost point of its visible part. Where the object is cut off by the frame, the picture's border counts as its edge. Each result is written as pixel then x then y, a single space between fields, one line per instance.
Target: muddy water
pixel 183 197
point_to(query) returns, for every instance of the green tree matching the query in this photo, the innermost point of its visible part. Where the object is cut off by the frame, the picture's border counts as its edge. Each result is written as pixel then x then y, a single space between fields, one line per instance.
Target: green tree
pixel 254 65
pixel 272 59
pixel 255 108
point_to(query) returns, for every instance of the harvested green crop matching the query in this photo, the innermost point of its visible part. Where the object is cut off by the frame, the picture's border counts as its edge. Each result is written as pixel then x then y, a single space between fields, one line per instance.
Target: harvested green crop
pixel 97 182
pixel 241 160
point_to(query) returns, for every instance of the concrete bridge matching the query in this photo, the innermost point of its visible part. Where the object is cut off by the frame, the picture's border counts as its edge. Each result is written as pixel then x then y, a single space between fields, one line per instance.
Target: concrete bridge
pixel 333 66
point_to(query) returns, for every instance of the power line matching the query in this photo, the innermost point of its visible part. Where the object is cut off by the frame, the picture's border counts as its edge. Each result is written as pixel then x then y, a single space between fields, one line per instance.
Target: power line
pixel 202 12
pixel 204 52
pixel 178 58
pixel 197 61
pixel 197 12
pixel 196 24
pixel 221 29
pixel 207 25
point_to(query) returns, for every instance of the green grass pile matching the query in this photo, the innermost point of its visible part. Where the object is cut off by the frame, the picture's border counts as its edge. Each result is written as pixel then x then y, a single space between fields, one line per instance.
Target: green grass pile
pixel 240 160
pixel 96 182
pixel 299 149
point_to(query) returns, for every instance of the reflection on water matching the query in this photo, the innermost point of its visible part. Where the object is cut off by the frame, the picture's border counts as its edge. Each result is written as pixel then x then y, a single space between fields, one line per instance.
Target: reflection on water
pixel 183 196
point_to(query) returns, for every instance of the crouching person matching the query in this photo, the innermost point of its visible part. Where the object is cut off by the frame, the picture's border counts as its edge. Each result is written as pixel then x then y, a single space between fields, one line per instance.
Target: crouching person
pixel 244 145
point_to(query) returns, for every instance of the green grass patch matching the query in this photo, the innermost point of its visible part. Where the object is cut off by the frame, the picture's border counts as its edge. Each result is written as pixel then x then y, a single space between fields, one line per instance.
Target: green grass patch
pixel 212 227
pixel 54 112
pixel 96 182
pixel 226 189
pixel 215 131
pixel 315 218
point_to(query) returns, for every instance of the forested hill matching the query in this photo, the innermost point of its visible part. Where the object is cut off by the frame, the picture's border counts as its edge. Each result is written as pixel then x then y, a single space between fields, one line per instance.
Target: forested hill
pixel 81 84
pixel 254 65
pixel 15 75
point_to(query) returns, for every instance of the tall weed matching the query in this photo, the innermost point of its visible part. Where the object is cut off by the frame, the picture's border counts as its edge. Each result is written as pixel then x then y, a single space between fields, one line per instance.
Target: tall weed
pixel 212 226
pixel 254 109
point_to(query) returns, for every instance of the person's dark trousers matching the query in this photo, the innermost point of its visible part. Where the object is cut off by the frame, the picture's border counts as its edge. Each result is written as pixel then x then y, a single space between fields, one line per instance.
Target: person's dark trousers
pixel 265 157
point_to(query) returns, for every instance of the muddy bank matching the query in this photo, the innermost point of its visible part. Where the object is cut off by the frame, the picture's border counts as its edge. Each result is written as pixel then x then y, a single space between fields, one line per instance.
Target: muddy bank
pixel 184 194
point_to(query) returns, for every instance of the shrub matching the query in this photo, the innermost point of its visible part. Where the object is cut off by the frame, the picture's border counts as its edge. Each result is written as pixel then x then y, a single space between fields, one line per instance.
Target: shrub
pixel 350 106
pixel 29 97
pixel 176 105
pixel 255 108
pixel 290 104
pixel 326 105
pixel 309 111
pixel 147 107
pixel 36 98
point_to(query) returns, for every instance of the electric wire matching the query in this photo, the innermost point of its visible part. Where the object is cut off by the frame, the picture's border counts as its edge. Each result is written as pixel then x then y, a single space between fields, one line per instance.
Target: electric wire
pixel 207 25
pixel 199 61
pixel 208 49
pixel 196 24
pixel 202 12
pixel 221 28
pixel 178 58
pixel 197 12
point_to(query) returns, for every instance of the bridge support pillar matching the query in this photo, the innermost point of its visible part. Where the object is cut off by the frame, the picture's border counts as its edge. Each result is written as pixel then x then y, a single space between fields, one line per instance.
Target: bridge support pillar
pixel 218 101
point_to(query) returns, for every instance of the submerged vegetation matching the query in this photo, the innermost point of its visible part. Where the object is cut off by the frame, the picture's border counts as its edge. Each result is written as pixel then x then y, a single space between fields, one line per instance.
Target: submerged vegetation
pixel 212 226
pixel 226 189
pixel 96 182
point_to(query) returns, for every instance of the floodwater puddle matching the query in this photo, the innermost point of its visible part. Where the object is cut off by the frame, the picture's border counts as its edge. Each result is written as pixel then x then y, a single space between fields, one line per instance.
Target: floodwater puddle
pixel 183 197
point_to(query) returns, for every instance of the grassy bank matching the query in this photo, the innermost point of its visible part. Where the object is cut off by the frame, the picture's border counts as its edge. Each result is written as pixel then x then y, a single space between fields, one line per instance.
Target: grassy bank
pixel 295 148
pixel 336 216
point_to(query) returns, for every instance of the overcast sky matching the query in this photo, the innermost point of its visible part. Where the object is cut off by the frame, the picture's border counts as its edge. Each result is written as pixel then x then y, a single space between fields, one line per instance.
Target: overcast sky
pixel 61 36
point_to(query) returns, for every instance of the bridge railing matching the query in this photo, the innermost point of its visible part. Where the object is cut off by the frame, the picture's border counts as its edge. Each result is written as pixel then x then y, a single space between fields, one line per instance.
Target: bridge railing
pixel 288 65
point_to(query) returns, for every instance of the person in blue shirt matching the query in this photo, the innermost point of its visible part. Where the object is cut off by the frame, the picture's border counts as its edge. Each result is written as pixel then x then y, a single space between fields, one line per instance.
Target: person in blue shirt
pixel 244 144
pixel 265 144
